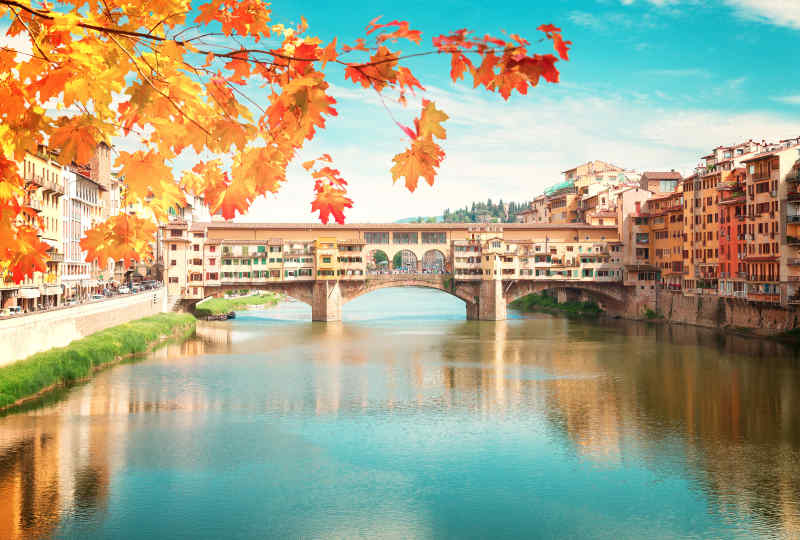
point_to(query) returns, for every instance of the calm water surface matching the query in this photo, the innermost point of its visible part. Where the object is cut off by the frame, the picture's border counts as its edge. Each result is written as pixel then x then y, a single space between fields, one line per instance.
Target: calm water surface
pixel 406 421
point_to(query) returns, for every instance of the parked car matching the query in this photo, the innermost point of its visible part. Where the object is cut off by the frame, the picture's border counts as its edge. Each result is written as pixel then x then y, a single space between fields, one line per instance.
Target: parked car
pixel 135 289
pixel 97 297
pixel 124 290
pixel 13 310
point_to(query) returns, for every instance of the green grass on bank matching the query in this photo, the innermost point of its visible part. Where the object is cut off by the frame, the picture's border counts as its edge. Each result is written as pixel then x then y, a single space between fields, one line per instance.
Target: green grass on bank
pixel 546 303
pixel 217 306
pixel 75 361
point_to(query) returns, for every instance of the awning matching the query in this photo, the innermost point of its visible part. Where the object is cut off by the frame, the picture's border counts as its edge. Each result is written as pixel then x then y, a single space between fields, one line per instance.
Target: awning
pixel 29 293
pixel 50 290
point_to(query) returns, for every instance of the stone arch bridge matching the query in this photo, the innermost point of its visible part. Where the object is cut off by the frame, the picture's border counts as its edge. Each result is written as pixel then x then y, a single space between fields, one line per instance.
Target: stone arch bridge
pixel 484 299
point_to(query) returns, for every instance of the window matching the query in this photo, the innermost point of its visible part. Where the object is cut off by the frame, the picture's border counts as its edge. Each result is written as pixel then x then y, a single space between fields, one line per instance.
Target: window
pixel 405 238
pixel 376 237
pixel 212 249
pixel 212 262
pixel 434 237
pixel 173 280
pixel 196 247
pixel 326 259
pixel 262 249
pixel 173 262
pixel 173 247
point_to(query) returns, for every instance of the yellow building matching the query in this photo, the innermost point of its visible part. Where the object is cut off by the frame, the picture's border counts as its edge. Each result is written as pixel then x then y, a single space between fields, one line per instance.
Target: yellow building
pixel 44 181
pixel 326 257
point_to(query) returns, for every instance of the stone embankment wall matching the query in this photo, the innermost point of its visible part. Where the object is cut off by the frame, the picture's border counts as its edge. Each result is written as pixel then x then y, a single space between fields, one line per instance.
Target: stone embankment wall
pixel 727 313
pixel 25 335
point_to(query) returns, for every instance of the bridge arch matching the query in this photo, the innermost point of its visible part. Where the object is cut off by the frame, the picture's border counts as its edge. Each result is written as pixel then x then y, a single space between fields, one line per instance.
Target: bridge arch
pixel 406 260
pixel 378 261
pixel 434 262
pixel 464 292
pixel 604 293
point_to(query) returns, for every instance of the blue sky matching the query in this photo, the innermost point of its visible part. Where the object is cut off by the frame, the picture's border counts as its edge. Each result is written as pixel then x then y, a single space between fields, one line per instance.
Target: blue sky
pixel 651 84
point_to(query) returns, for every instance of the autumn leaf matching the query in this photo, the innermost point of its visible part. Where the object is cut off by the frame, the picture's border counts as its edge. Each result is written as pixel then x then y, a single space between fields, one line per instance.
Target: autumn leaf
pixel 76 139
pixel 29 254
pixel 421 160
pixel 144 173
pixel 329 201
pixel 122 237
pixel 430 121
pixel 331 190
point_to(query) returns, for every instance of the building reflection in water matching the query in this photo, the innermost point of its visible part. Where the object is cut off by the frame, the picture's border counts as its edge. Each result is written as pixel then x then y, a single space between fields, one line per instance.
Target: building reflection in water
pixel 720 410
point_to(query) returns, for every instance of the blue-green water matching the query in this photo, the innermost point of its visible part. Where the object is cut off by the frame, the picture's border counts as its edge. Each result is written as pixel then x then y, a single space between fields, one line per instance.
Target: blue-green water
pixel 406 421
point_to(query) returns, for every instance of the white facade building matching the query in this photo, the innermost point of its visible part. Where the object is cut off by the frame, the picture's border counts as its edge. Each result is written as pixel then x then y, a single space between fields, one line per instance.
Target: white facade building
pixel 82 210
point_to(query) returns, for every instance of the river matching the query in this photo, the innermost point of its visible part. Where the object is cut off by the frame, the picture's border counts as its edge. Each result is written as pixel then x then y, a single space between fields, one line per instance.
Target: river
pixel 406 421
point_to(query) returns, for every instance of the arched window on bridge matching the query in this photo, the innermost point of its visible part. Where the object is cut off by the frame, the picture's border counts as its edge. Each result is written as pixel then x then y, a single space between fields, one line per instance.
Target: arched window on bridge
pixel 405 261
pixel 377 262
pixel 433 262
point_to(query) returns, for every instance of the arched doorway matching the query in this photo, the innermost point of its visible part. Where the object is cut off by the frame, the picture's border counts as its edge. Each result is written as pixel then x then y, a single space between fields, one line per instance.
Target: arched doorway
pixel 433 262
pixel 378 262
pixel 405 261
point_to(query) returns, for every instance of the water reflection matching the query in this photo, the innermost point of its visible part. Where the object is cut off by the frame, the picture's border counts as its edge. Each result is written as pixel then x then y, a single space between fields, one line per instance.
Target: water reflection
pixel 597 414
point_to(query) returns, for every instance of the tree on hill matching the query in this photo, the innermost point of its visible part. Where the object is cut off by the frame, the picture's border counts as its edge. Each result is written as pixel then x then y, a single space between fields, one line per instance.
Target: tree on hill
pixel 182 76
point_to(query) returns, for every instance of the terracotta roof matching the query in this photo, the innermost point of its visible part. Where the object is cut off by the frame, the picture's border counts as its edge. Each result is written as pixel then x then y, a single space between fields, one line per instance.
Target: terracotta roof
pixel 661 175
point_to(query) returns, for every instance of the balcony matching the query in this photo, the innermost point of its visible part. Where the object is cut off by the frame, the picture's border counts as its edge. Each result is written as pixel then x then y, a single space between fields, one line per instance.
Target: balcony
pixel 33 204
pixel 50 185
pixel 56 257
pixel 34 180
pixel 793 262
pixel 793 218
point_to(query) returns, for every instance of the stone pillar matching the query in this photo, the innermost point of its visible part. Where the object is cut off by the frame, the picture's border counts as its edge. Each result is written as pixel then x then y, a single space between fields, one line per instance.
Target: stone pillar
pixel 491 305
pixel 473 311
pixel 326 305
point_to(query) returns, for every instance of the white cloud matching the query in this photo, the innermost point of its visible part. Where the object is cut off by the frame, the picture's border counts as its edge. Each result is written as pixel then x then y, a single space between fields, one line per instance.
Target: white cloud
pixel 685 72
pixel 791 100
pixel 777 12
pixel 589 20
pixel 514 150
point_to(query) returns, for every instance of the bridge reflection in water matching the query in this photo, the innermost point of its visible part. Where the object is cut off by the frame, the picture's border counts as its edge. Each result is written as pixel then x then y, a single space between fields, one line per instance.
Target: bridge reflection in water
pixel 717 412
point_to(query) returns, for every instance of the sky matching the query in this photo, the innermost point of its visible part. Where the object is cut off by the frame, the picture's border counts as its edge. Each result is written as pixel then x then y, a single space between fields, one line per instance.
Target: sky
pixel 650 85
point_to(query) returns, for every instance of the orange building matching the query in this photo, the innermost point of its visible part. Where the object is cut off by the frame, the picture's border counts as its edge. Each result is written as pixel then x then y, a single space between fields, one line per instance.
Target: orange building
pixel 733 228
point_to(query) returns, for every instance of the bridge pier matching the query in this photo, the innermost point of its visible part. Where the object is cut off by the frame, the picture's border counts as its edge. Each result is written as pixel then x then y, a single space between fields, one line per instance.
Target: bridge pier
pixel 326 304
pixel 491 304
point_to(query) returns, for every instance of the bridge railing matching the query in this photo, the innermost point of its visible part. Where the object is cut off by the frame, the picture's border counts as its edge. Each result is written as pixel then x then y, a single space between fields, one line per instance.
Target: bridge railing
pixel 405 276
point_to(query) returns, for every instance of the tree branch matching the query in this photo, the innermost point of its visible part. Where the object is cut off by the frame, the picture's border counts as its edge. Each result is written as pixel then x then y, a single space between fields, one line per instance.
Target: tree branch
pixel 30 34
pixel 160 92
